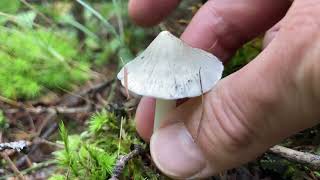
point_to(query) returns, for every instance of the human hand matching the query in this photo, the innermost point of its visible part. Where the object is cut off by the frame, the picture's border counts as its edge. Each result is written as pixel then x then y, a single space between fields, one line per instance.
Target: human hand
pixel 271 98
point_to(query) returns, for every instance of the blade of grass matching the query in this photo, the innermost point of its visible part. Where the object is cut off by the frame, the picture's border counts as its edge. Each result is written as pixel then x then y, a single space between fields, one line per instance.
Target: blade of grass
pixel 117 5
pixel 82 28
pixel 111 29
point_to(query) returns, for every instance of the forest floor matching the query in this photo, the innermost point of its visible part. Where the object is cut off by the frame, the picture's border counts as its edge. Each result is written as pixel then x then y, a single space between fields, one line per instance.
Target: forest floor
pixel 61 102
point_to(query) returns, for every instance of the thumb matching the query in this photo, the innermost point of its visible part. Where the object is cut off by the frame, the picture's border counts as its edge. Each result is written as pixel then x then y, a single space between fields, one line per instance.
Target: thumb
pixel 234 128
pixel 268 100
pixel 240 119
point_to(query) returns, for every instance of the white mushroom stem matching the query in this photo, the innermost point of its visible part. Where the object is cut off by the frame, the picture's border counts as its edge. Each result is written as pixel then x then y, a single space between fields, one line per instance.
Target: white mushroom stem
pixel 163 107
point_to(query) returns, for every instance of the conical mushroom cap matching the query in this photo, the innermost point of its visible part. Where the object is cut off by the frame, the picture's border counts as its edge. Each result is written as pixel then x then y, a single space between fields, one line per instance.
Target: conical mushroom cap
pixel 171 69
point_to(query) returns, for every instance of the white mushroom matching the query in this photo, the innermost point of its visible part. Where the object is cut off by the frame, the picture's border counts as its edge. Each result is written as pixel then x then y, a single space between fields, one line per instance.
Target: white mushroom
pixel 168 70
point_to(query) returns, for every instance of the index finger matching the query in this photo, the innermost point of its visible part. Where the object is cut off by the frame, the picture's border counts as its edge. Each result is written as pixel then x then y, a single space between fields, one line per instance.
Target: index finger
pixel 150 12
pixel 223 26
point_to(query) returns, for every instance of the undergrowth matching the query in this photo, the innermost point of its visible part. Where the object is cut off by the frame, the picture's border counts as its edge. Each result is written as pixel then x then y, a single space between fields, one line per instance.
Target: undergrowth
pixel 93 154
pixel 281 168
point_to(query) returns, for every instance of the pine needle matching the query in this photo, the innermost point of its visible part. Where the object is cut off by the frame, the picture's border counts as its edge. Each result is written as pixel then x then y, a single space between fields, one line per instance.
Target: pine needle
pixel 100 17
pixel 202 108
pixel 126 82
pixel 120 136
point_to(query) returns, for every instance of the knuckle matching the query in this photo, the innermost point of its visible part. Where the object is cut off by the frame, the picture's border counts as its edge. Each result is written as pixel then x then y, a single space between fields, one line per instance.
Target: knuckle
pixel 223 27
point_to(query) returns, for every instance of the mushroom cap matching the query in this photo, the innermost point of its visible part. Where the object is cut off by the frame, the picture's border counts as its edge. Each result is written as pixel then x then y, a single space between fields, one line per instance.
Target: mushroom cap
pixel 171 69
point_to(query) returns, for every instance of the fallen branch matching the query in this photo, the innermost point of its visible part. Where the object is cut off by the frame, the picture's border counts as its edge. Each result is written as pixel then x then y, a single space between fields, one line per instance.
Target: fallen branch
pixel 78 97
pixel 53 109
pixel 44 135
pixel 97 88
pixel 46 120
pixel 52 113
pixel 10 102
pixel 17 146
pixel 123 160
pixel 12 165
pixel 311 160
pixel 31 169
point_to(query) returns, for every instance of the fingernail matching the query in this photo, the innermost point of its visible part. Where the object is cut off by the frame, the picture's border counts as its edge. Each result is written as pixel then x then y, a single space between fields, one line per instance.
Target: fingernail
pixel 175 153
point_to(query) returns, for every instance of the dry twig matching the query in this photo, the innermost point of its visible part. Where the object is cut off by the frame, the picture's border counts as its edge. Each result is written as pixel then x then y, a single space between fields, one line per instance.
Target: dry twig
pixel 49 117
pixel 311 160
pixel 44 135
pixel 52 109
pixel 12 165
pixel 202 108
pixel 10 102
pixel 35 166
pixel 17 145
pixel 78 97
pixel 123 160
pixel 97 88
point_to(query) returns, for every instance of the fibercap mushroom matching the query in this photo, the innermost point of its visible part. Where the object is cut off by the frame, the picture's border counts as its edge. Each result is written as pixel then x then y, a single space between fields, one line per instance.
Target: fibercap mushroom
pixel 169 69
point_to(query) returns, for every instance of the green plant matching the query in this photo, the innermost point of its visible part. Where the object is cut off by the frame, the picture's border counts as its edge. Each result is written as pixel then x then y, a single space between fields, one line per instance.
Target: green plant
pixel 83 159
pixel 282 167
pixel 57 177
pixel 35 60
pixel 9 6
pixel 93 154
pixel 100 120
pixel 243 56
pixel 3 121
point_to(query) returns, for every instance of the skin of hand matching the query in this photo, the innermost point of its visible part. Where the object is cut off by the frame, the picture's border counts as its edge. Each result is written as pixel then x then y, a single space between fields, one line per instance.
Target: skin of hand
pixel 274 96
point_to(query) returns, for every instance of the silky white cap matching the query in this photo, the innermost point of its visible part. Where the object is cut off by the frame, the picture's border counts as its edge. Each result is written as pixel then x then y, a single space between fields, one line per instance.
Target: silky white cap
pixel 171 69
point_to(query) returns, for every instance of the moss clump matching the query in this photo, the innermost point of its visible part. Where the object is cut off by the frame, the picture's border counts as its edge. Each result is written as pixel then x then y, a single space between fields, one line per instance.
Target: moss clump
pixel 93 154
pixel 34 60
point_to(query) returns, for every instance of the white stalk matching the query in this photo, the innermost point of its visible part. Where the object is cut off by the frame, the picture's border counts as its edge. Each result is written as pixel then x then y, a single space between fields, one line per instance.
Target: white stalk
pixel 163 107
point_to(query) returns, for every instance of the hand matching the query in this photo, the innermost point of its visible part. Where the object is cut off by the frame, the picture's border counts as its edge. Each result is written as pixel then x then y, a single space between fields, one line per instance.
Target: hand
pixel 271 98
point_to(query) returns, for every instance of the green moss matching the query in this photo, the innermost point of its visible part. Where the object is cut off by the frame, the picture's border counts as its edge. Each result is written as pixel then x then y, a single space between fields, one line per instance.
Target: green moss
pixel 9 6
pixel 34 60
pixel 57 177
pixel 93 154
pixel 243 56
pixel 100 120
pixel 282 168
